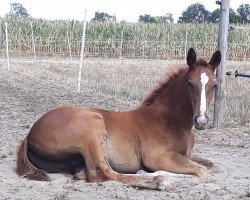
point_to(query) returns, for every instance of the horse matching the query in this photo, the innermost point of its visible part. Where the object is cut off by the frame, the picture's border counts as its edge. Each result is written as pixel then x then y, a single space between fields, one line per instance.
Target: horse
pixel 100 145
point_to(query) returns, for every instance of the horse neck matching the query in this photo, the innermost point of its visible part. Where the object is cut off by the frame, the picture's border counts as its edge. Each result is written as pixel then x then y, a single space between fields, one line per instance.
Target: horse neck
pixel 175 104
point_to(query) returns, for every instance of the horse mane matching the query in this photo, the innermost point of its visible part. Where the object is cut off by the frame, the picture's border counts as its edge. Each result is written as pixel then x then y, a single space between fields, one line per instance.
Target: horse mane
pixel 163 84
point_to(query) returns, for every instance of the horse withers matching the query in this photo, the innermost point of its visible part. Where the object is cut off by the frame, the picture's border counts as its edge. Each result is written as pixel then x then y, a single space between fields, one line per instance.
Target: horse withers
pixel 106 145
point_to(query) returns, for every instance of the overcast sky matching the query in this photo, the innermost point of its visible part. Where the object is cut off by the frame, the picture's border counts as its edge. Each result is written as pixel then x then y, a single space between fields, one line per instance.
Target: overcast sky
pixel 128 10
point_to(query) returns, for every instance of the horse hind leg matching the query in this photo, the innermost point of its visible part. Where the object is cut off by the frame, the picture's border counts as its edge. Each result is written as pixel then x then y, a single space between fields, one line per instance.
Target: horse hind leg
pixel 93 172
pixel 75 165
pixel 98 169
pixel 94 150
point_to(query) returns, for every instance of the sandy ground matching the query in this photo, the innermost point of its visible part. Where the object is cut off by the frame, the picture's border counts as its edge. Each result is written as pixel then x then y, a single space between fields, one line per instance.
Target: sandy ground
pixel 23 99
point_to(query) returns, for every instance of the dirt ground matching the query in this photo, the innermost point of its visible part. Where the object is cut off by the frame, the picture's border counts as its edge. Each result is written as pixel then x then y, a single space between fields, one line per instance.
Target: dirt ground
pixel 24 98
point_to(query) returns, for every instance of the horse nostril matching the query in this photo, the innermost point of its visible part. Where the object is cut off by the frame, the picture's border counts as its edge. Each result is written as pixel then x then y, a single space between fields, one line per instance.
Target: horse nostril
pixel 195 119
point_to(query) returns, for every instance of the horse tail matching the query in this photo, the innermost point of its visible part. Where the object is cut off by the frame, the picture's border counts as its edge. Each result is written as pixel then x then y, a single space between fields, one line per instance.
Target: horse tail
pixel 25 168
pixel 23 164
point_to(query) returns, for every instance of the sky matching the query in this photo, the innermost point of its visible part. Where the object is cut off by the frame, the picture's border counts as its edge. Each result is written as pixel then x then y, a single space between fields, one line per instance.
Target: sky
pixel 128 10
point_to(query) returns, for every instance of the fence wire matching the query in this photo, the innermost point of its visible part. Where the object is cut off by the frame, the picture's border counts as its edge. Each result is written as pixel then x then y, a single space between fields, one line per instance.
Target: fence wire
pixel 113 49
pixel 122 41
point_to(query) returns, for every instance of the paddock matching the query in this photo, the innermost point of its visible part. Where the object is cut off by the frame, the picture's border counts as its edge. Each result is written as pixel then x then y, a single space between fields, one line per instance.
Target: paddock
pixel 29 89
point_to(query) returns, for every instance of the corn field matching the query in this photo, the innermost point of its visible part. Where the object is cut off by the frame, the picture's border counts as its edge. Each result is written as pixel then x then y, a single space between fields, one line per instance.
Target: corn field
pixel 62 38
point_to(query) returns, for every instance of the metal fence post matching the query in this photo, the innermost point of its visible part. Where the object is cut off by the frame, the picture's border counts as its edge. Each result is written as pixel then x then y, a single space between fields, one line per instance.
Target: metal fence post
pixel 82 52
pixel 33 41
pixel 7 45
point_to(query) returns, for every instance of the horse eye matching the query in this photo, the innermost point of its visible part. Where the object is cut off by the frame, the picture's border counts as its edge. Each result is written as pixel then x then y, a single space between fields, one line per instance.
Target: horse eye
pixel 190 83
pixel 215 86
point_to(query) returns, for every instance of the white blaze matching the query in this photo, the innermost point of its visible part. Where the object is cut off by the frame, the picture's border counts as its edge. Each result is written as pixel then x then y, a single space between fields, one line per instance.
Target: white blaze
pixel 203 103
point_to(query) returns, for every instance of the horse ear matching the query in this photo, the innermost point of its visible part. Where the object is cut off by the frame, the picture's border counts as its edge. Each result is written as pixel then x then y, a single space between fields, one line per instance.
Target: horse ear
pixel 191 57
pixel 215 60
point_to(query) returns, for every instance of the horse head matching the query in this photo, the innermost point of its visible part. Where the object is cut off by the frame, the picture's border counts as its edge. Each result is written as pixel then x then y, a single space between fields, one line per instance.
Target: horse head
pixel 201 82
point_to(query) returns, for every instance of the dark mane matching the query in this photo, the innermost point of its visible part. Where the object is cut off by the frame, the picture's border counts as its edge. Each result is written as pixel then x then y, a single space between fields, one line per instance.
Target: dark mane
pixel 162 85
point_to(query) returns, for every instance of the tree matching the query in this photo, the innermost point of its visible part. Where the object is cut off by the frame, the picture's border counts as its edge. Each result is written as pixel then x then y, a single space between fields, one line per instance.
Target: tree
pixel 146 19
pixel 166 19
pixel 215 15
pixel 233 17
pixel 244 13
pixel 18 10
pixel 169 18
pixel 104 17
pixel 195 13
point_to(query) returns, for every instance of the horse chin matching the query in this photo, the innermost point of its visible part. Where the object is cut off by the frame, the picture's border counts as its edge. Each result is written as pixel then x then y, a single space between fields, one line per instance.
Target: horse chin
pixel 200 127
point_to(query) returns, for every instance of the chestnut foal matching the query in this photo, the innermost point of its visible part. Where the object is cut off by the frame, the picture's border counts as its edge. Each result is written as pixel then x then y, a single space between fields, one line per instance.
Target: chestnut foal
pixel 115 145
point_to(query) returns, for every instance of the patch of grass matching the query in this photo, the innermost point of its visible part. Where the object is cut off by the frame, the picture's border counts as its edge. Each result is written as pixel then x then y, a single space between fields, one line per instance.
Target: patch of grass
pixel 237 92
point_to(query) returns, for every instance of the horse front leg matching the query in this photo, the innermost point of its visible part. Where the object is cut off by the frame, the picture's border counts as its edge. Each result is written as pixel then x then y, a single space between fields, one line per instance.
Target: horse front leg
pixel 173 162
pixel 205 162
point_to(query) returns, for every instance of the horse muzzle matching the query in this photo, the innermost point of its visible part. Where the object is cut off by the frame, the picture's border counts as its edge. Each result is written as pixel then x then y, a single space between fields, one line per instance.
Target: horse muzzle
pixel 200 122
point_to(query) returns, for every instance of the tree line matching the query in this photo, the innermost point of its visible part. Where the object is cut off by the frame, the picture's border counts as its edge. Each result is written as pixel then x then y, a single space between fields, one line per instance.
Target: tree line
pixel 195 13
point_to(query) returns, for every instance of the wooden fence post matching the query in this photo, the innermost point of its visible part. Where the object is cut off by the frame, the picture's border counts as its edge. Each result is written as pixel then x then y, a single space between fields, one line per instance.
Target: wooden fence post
pixel 219 99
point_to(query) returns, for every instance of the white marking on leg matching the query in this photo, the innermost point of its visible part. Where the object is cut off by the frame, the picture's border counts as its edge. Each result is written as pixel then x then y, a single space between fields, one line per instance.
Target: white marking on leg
pixel 203 103
pixel 170 180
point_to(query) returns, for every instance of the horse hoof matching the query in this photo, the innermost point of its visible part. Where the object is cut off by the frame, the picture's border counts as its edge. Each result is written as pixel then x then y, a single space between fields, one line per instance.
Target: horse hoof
pixel 203 178
pixel 38 175
pixel 169 183
pixel 80 176
pixel 213 169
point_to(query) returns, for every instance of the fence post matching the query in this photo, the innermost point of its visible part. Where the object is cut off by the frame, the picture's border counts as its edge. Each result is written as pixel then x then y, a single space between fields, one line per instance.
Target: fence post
pixel 33 41
pixel 121 43
pixel 1 30
pixel 7 45
pixel 82 52
pixel 186 41
pixel 219 101
pixel 69 46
